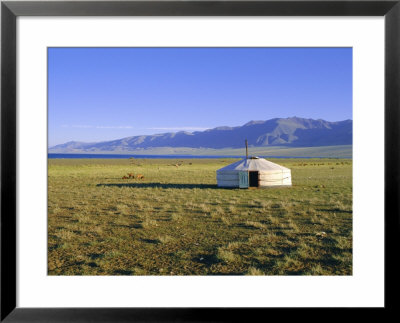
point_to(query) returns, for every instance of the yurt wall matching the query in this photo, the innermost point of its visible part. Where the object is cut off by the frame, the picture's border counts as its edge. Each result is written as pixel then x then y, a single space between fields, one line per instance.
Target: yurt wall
pixel 275 178
pixel 228 179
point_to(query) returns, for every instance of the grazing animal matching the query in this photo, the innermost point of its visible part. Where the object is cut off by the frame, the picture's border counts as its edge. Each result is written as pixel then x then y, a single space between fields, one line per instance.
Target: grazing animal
pixel 124 177
pixel 131 175
pixel 139 176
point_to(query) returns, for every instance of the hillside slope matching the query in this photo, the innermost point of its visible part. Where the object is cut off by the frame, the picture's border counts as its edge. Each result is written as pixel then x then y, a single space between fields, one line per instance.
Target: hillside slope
pixel 290 132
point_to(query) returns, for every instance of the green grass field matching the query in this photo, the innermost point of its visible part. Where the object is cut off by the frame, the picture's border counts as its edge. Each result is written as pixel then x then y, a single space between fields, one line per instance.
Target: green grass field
pixel 177 222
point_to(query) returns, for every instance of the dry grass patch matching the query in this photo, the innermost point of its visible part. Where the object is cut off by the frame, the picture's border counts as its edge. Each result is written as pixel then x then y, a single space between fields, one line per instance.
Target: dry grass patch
pixel 255 272
pixel 257 225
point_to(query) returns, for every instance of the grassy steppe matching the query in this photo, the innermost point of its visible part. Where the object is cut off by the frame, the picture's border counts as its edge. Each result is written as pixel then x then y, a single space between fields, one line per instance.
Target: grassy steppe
pixel 177 222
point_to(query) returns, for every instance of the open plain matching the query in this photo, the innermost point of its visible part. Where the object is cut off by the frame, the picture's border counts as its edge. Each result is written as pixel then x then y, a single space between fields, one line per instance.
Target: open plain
pixel 176 221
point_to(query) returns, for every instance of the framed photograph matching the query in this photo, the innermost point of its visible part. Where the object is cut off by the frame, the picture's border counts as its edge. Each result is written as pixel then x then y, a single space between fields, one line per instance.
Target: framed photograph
pixel 178 160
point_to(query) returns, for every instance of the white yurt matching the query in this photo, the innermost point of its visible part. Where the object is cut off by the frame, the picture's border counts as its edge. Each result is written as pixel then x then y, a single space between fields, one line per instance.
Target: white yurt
pixel 253 172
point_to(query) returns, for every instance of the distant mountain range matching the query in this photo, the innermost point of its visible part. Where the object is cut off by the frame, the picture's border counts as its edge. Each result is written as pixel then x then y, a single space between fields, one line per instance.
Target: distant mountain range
pixel 290 132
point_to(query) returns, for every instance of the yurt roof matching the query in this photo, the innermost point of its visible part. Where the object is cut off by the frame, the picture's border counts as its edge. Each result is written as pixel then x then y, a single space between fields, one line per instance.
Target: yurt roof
pixel 253 164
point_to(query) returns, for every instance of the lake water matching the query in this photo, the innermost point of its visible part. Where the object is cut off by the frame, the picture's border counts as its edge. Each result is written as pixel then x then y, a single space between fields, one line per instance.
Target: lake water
pixel 116 156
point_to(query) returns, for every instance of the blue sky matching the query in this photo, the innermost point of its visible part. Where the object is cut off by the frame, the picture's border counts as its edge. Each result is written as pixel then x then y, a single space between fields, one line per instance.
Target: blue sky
pixel 97 94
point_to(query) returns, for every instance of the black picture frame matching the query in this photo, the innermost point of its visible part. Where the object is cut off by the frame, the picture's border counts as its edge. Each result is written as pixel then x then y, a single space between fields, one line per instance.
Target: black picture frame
pixel 10 10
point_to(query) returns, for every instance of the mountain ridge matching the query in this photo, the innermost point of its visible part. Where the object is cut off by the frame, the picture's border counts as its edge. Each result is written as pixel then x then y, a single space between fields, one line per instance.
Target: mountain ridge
pixel 289 132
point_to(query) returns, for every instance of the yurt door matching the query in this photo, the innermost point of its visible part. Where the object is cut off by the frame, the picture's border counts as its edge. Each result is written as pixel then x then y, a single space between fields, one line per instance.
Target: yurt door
pixel 243 179
pixel 253 179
